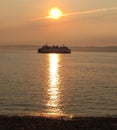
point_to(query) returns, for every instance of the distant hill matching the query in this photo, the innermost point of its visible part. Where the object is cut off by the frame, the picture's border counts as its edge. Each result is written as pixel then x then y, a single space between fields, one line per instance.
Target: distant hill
pixel 95 49
pixel 19 47
pixel 80 49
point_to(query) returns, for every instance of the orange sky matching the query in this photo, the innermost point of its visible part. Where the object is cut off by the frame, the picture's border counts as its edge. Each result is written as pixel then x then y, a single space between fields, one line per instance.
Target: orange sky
pixel 80 29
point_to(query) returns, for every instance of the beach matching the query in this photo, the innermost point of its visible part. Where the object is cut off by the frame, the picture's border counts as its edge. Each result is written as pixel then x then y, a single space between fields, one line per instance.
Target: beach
pixel 57 123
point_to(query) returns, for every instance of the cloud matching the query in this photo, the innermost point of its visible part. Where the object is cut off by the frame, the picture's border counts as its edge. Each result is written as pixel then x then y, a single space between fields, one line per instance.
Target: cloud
pixel 78 13
pixel 91 11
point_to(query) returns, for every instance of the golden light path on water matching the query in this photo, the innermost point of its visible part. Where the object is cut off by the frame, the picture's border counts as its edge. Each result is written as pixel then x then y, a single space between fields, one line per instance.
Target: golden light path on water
pixel 53 103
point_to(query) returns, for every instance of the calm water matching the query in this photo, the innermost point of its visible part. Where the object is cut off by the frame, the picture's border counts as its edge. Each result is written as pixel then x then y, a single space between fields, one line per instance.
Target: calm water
pixel 81 83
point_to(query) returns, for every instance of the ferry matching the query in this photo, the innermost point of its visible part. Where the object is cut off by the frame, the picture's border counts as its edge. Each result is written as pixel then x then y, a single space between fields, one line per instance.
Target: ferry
pixel 54 49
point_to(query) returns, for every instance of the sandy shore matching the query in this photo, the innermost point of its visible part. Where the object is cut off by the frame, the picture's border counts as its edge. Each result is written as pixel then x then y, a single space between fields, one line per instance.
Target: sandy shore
pixel 60 123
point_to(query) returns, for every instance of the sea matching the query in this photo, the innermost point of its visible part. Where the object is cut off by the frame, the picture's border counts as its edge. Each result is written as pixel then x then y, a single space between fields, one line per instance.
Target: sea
pixel 76 84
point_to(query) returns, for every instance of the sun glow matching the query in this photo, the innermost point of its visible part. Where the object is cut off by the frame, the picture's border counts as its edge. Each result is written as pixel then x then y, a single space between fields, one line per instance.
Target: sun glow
pixel 55 13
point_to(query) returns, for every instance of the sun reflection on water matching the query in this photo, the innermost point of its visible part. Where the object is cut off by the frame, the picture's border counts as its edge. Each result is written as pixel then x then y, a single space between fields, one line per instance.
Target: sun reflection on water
pixel 53 103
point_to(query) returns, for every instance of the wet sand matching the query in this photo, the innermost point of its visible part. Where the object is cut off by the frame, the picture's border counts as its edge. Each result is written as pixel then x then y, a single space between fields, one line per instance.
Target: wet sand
pixel 60 123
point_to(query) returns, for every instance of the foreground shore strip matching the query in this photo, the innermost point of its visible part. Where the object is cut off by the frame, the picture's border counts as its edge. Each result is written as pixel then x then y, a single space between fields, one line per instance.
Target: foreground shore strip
pixel 60 123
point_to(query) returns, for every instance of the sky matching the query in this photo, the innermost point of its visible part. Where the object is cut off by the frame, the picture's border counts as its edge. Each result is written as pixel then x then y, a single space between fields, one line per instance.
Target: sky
pixel 88 23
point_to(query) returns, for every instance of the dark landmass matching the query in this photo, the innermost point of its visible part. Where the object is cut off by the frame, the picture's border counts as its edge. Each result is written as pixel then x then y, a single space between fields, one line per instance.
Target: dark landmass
pixel 96 49
pixel 80 49
pixel 20 47
pixel 60 123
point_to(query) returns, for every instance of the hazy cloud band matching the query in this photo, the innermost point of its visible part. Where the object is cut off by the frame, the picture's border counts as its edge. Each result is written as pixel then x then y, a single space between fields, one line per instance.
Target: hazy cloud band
pixel 79 13
pixel 91 11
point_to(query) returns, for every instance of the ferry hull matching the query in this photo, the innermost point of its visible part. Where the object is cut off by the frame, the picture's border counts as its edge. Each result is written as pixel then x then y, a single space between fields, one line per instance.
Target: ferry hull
pixel 43 51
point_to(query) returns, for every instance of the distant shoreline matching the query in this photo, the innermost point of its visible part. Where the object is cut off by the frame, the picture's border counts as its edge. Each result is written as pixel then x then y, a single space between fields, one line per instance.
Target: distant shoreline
pixel 49 123
pixel 73 48
pixel 97 49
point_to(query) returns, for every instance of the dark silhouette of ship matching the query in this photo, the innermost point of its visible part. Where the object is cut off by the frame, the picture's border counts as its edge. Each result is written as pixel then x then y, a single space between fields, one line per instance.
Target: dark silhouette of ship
pixel 54 49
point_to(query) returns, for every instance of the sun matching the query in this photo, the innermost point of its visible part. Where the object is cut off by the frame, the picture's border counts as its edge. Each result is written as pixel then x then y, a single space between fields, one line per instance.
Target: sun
pixel 55 13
